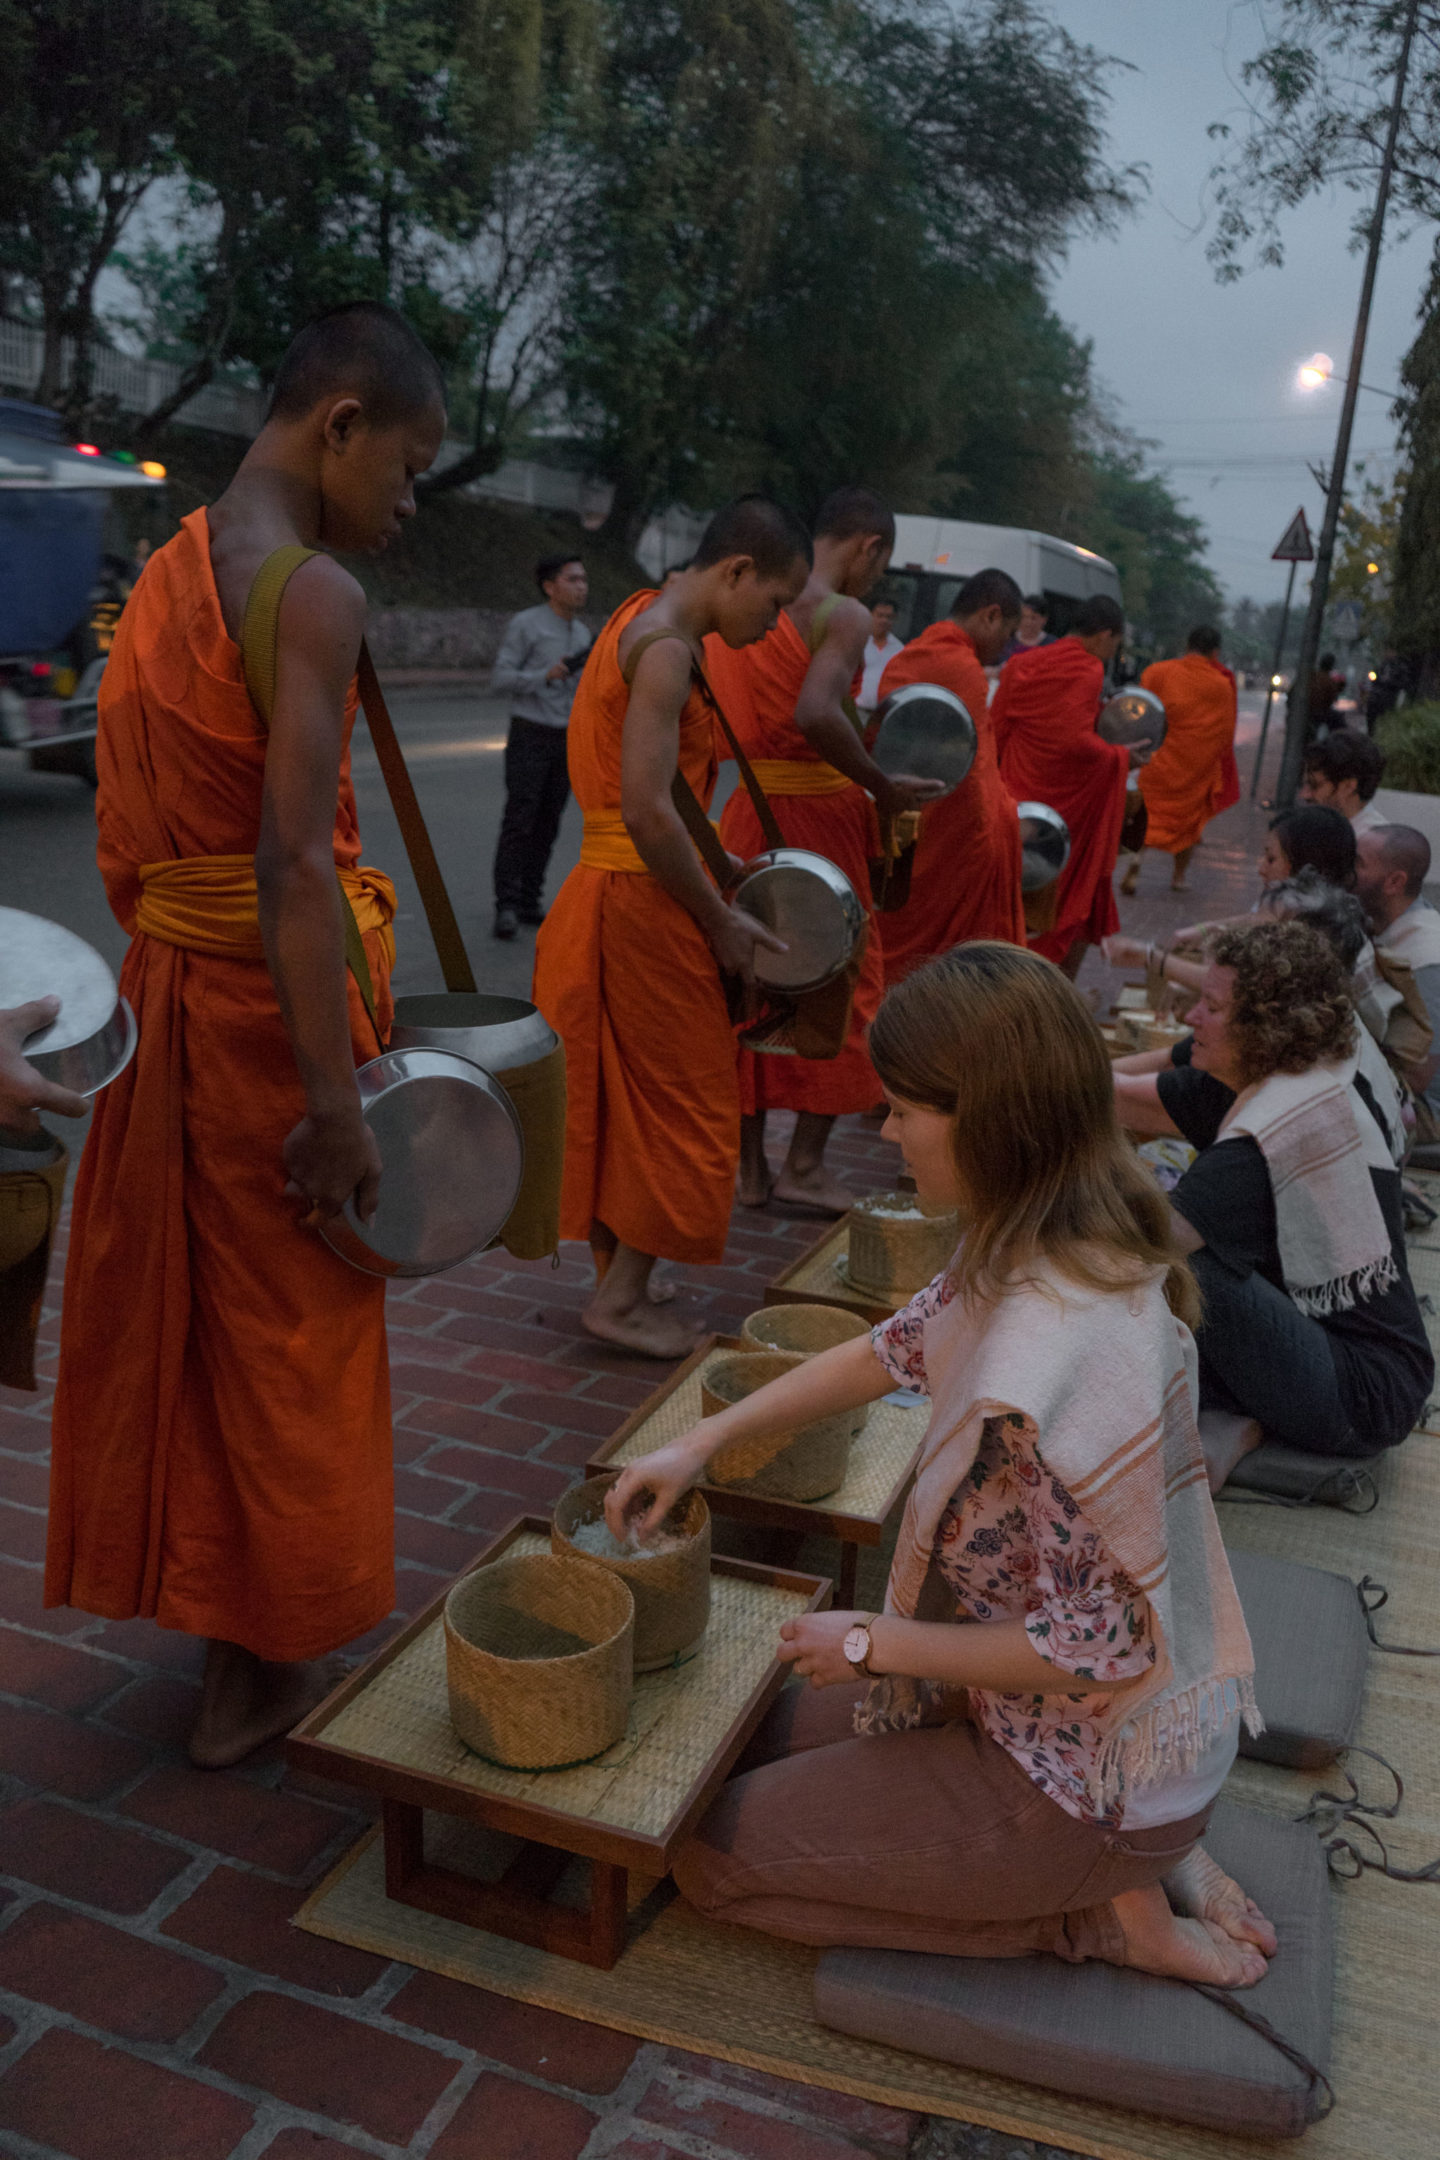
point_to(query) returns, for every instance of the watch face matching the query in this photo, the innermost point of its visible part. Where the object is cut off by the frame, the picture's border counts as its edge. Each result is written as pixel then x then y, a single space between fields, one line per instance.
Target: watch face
pixel 857 1644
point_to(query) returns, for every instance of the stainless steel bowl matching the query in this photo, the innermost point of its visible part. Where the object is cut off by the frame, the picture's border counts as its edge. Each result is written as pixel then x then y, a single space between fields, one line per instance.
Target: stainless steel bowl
pixel 1133 718
pixel 809 903
pixel 92 1038
pixel 927 731
pixel 453 1155
pixel 496 1033
pixel 1044 845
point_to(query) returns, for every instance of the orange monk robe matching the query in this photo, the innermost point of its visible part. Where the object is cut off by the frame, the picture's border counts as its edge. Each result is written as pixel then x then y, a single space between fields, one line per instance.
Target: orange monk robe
pixel 759 687
pixel 1044 713
pixel 626 978
pixel 965 876
pixel 222 1451
pixel 1185 782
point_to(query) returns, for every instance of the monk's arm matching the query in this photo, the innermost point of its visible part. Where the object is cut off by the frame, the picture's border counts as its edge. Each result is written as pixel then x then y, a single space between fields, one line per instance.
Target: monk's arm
pixel 1138 1105
pixel 822 719
pixel 649 760
pixel 331 1153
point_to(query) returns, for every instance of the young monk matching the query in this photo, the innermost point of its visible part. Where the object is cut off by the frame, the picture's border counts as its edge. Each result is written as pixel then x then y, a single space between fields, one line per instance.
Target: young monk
pixel 1045 711
pixel 222 1428
pixel 965 879
pixel 1185 782
pixel 629 960
pixel 791 706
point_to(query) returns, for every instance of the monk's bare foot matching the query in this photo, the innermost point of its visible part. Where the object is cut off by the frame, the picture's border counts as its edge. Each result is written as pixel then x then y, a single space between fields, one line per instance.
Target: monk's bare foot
pixel 639 1328
pixel 246 1701
pixel 752 1186
pixel 1179 884
pixel 1131 878
pixel 814 1190
pixel 1226 1439
pixel 1200 1887
pixel 1159 1941
pixel 660 1290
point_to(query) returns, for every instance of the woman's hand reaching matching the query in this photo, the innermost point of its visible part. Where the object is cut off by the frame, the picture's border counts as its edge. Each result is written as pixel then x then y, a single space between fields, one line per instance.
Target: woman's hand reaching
pixel 646 1489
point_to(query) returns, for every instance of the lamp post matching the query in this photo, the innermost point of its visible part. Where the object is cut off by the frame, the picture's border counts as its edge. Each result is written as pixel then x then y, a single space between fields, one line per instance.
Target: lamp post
pixel 1297 718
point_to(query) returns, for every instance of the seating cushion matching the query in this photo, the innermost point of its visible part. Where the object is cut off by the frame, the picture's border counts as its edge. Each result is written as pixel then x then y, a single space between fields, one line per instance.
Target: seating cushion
pixel 1102 2032
pixel 1312 1654
pixel 1290 1474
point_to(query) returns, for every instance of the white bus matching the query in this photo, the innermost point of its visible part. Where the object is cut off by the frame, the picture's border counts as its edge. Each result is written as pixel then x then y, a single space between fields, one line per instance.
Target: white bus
pixel 934 556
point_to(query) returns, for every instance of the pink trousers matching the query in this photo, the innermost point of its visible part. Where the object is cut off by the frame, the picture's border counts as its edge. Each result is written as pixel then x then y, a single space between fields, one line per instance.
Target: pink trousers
pixel 928 1840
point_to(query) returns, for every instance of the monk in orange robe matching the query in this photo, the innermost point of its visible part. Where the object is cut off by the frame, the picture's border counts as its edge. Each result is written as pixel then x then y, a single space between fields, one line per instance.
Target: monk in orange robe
pixel 1189 779
pixel 628 963
pixel 965 876
pixel 1045 710
pixel 222 1457
pixel 790 703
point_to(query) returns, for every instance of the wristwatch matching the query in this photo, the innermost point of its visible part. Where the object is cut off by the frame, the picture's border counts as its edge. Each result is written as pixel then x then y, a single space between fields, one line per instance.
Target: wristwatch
pixel 857 1644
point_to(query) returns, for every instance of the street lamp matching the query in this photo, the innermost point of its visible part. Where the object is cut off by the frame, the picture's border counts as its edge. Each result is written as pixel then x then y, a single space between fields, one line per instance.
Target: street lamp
pixel 1319 369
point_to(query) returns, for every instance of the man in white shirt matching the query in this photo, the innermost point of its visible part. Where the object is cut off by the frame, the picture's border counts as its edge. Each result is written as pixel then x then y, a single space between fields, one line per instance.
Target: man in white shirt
pixel 1392 863
pixel 880 649
pixel 538 666
pixel 1343 771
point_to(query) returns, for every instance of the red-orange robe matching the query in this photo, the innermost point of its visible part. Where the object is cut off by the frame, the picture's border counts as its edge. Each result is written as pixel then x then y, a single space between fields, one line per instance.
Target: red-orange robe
pixel 1187 781
pixel 965 877
pixel 626 978
pixel 1044 713
pixel 759 687
pixel 222 1454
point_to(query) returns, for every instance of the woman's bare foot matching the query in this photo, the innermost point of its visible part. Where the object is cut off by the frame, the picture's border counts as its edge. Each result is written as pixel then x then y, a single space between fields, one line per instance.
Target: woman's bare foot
pixel 1225 1440
pixel 1159 1941
pixel 246 1701
pixel 1200 1887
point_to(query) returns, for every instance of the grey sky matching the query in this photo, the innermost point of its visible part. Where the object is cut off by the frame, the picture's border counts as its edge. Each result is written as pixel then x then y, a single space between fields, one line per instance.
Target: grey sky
pixel 1208 371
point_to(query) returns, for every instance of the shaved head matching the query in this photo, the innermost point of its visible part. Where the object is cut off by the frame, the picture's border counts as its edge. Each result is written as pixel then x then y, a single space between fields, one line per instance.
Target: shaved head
pixel 853 511
pixel 1400 847
pixel 772 536
pixel 366 351
pixel 988 588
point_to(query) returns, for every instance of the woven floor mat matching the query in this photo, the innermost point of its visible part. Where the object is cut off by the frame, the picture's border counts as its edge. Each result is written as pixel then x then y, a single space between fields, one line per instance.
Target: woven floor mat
pixel 730 1993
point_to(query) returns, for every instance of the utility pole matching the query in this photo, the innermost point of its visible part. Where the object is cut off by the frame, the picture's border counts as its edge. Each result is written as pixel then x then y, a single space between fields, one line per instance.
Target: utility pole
pixel 1297 719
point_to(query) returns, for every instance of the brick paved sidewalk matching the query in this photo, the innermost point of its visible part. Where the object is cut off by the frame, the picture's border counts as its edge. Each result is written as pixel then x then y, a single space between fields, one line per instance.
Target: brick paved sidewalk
pixel 155 2003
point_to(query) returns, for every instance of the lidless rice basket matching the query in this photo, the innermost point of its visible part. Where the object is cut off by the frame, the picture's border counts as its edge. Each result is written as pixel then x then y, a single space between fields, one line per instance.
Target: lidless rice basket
pixel 539 1660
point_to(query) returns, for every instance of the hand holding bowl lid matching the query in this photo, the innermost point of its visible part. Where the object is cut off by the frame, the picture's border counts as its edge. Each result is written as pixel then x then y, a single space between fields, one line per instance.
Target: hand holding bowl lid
pixel 22 1090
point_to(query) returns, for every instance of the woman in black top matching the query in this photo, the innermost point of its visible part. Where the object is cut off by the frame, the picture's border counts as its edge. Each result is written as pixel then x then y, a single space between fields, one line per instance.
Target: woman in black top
pixel 1312 1336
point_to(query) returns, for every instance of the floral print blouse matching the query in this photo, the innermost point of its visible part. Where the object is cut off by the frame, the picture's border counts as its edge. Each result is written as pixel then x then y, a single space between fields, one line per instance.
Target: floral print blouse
pixel 1013 1545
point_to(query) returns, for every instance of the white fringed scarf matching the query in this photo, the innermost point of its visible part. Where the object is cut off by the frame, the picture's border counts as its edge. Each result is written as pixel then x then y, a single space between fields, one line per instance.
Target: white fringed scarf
pixel 1320 1144
pixel 1105 1385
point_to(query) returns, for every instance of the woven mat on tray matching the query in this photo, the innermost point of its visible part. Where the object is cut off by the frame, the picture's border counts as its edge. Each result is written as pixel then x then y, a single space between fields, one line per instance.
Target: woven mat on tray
pixel 879 1458
pixel 681 1715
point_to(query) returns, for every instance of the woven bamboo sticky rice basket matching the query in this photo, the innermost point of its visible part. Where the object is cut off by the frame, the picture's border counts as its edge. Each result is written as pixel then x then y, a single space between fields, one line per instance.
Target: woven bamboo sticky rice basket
pixel 539 1660
pixel 802 1465
pixel 806 1329
pixel 671 1589
pixel 895 1247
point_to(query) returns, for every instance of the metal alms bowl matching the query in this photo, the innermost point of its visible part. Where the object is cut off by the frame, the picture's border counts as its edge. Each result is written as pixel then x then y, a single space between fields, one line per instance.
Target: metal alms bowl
pixel 1132 718
pixel 927 731
pixel 1044 845
pixel 496 1033
pixel 452 1153
pixel 92 1038
pixel 809 903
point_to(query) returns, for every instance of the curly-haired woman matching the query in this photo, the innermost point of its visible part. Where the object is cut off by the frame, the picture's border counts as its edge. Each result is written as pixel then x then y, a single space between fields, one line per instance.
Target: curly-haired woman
pixel 1036 1778
pixel 1291 1213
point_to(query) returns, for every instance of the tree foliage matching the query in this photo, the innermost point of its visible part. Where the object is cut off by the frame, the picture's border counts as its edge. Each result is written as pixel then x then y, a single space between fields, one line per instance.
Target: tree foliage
pixel 1415 585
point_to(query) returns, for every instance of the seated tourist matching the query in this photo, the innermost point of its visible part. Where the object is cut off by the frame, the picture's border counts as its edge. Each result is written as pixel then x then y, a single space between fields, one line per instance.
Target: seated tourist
pixel 1402 994
pixel 1037 1778
pixel 1291 1214
pixel 1343 771
pixel 1310 837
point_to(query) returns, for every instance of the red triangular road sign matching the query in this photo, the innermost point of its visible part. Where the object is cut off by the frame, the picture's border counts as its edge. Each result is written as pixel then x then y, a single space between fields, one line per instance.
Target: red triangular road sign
pixel 1295 542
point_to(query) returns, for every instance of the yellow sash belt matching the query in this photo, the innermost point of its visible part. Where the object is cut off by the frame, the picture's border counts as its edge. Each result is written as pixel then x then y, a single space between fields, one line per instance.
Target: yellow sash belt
pixel 605 844
pixel 208 904
pixel 798 776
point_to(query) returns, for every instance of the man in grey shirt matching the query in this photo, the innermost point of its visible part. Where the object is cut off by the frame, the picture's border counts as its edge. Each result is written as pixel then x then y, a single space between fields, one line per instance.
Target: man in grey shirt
pixel 537 666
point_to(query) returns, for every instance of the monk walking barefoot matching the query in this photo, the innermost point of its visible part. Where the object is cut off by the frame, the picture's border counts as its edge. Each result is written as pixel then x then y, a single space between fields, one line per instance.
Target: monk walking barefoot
pixel 222 1459
pixel 629 962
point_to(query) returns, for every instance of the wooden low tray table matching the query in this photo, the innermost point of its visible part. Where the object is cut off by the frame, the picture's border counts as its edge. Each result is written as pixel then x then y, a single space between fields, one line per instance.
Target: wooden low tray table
pixel 818 1278
pixel 387 1728
pixel 882 1464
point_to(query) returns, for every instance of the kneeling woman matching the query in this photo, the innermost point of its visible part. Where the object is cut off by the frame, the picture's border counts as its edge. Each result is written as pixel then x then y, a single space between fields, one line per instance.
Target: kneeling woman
pixel 1291 1213
pixel 1037 1778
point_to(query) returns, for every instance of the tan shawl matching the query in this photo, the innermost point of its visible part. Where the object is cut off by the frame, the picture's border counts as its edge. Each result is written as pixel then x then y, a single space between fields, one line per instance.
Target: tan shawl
pixel 1105 1384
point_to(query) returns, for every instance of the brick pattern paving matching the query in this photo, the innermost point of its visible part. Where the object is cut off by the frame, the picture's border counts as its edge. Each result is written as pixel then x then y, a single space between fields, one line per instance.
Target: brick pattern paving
pixel 156 2003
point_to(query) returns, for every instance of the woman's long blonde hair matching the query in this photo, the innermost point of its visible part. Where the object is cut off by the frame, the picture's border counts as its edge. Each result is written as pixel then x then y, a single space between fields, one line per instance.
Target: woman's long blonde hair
pixel 998 1041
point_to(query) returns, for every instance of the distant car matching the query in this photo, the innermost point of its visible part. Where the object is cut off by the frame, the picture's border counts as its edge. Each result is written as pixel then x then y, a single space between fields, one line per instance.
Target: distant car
pixel 61 592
